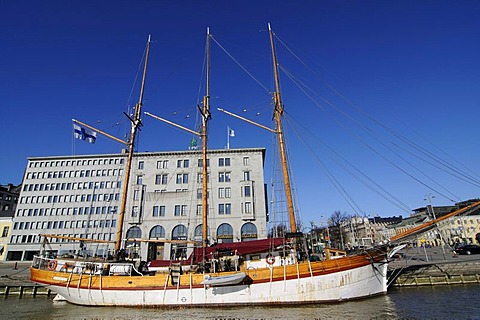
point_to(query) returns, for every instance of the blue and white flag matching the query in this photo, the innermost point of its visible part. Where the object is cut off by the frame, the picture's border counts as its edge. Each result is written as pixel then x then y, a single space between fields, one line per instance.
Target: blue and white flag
pixel 84 133
pixel 231 133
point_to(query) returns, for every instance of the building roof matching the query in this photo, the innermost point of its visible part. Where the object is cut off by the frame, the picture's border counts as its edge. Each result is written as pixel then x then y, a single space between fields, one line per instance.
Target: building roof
pixel 149 153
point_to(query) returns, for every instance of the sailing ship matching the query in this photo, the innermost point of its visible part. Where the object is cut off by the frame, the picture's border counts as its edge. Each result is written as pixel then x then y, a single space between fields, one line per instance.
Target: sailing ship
pixel 260 272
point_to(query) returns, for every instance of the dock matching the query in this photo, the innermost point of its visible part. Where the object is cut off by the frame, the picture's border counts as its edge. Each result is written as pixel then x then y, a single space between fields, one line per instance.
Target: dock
pixel 431 267
pixel 15 281
pixel 22 291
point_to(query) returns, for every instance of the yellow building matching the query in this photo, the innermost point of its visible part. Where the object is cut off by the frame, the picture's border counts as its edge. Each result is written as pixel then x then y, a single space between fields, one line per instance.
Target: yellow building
pixel 5 229
pixel 461 229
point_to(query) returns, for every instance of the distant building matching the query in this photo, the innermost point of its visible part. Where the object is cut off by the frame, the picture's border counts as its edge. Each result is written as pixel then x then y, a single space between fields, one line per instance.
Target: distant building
pixel 5 229
pixel 364 232
pixel 463 228
pixel 79 196
pixel 9 195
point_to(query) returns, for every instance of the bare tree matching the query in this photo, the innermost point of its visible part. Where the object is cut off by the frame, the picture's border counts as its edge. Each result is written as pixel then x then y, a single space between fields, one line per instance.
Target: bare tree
pixel 278 230
pixel 335 222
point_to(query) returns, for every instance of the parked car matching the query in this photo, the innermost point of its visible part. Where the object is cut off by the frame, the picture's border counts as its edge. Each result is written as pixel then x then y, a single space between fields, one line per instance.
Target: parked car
pixel 468 249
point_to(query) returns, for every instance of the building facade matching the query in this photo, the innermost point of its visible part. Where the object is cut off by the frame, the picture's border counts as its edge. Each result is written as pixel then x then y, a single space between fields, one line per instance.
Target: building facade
pixel 5 229
pixel 464 228
pixel 80 196
pixel 9 195
pixel 8 199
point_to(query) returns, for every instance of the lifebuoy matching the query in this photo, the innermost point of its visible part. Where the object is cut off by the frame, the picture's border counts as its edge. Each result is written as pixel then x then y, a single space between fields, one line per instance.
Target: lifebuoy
pixel 270 259
pixel 52 265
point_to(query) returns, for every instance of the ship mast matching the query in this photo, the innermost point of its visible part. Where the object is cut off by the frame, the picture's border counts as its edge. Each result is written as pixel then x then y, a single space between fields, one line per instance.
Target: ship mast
pixel 205 118
pixel 277 115
pixel 202 133
pixel 136 122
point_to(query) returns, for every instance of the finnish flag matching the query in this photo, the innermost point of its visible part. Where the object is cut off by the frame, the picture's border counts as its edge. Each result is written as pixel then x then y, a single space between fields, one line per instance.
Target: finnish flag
pixel 84 133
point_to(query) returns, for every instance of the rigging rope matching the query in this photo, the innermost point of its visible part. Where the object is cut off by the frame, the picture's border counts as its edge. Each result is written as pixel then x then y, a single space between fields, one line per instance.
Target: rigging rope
pixel 242 67
pixel 447 167
pixel 362 141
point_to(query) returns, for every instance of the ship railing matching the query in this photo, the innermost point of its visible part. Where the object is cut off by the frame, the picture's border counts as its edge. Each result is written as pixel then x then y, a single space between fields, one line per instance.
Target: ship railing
pixel 84 267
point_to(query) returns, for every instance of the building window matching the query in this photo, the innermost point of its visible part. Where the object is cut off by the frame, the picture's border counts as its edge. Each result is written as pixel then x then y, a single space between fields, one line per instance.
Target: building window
pixel 248 207
pixel 246 175
pixel 247 191
pixel 200 177
pixel 225 232
pixel 162 164
pixel 248 232
pixel 157 232
pixel 200 163
pixel 228 192
pixel 139 179
pixel 182 178
pixel 224 177
pixel 161 179
pixel 179 233
pixel 5 231
pixel 140 165
pixel 223 162
pixel 161 211
pixel 136 194
pixel 180 210
pixel 246 161
pixel 199 209
pixel 225 208
pixel 198 234
pixel 135 211
pixel 134 232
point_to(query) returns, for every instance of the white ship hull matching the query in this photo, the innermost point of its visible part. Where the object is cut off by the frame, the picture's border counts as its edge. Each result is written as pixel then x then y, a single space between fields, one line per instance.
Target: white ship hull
pixel 355 283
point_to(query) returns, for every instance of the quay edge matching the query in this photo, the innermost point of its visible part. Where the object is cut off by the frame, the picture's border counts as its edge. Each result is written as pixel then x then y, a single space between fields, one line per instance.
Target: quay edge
pixel 434 273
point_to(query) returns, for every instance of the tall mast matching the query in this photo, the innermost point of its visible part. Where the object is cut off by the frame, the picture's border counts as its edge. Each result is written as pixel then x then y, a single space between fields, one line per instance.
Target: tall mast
pixel 131 144
pixel 278 112
pixel 205 118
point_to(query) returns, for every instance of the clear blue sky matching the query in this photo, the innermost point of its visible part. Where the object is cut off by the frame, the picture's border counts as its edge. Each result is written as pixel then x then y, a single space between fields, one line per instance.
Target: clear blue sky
pixel 413 66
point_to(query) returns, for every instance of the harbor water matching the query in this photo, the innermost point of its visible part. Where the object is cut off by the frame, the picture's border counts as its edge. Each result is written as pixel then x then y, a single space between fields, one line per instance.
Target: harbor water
pixel 440 302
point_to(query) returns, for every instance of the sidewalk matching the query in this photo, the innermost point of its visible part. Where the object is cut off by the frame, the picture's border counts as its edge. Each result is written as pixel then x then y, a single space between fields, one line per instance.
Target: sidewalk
pixel 9 275
pixel 435 255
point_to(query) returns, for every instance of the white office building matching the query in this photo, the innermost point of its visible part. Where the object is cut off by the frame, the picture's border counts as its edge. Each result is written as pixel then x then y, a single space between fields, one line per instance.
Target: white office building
pixel 80 196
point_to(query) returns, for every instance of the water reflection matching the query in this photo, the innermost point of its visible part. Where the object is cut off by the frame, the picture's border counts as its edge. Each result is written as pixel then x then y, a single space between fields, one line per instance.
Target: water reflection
pixel 446 302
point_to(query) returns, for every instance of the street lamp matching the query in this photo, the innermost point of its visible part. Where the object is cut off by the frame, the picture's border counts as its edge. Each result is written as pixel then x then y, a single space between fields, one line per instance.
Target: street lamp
pixel 429 198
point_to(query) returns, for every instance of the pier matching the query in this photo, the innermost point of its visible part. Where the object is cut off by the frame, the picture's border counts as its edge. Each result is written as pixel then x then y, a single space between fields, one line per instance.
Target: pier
pixel 14 281
pixel 21 291
pixel 430 267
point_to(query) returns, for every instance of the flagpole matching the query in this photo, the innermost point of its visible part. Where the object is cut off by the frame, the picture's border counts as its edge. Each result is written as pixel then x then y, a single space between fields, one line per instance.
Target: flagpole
pixel 228 137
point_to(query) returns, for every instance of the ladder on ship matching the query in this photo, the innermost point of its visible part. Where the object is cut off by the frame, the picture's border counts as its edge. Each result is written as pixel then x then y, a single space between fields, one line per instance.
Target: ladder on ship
pixel 175 272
